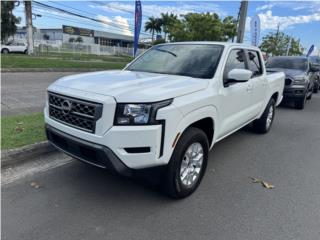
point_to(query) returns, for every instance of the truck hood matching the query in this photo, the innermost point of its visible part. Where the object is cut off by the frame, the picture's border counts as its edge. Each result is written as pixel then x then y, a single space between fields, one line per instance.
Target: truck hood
pixel 293 73
pixel 129 86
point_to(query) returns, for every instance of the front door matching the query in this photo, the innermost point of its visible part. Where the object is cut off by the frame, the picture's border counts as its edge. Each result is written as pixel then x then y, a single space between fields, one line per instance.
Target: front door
pixel 236 104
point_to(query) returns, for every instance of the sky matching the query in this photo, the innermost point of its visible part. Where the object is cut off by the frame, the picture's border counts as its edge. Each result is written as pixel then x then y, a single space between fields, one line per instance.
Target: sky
pixel 300 19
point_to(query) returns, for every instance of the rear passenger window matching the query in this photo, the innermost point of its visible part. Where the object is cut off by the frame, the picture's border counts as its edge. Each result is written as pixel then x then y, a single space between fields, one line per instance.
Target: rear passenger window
pixel 235 61
pixel 254 63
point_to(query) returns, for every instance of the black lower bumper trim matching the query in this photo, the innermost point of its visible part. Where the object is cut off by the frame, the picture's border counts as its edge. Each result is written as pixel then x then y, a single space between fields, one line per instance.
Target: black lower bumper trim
pixel 88 152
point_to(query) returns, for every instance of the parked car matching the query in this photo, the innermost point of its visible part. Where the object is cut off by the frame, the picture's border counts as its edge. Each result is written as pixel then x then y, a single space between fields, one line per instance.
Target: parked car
pixel 300 77
pixel 316 64
pixel 167 108
pixel 14 47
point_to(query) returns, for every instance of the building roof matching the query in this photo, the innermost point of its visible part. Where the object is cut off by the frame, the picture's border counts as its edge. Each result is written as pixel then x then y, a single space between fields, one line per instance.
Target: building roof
pixel 113 35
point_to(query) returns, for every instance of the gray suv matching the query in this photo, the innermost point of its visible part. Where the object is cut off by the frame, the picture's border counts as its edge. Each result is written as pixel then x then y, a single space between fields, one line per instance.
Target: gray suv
pixel 300 77
pixel 316 64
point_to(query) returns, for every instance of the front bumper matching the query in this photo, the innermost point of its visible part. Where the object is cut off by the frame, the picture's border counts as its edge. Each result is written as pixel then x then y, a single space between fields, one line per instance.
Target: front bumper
pixel 136 146
pixel 94 154
pixel 294 91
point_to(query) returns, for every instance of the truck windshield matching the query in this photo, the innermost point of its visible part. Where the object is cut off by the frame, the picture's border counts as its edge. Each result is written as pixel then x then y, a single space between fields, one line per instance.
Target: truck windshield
pixel 193 60
pixel 288 63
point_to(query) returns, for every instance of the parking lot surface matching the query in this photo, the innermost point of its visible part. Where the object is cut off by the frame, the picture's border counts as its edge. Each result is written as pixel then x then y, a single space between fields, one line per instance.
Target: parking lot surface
pixel 77 201
pixel 24 92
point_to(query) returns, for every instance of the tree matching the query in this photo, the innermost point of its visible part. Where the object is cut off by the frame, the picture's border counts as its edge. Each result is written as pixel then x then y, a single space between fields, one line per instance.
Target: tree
pixel 277 44
pixel 8 20
pixel 153 25
pixel 167 21
pixel 71 40
pixel 202 27
pixel 79 39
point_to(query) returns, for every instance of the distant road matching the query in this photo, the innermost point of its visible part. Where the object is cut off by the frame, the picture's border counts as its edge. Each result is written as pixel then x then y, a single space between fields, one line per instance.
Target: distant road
pixel 24 92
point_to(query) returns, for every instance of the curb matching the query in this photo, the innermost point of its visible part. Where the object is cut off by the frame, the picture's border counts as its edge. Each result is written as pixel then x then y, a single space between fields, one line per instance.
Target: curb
pixel 9 70
pixel 24 154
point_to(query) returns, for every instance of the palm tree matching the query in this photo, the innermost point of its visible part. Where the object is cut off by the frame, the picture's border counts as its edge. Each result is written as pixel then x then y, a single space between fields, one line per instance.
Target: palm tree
pixel 153 25
pixel 167 20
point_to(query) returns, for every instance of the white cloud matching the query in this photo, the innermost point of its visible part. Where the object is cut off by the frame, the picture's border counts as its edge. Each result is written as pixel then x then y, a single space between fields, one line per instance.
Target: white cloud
pixel 265 7
pixel 269 21
pixel 155 9
pixel 118 23
pixel 310 6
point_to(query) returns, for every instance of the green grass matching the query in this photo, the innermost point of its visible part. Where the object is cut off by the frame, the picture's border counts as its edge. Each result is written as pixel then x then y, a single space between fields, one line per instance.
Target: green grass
pixel 18 131
pixel 63 61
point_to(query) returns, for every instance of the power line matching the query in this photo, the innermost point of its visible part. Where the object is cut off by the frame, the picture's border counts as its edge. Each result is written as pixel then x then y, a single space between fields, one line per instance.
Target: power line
pixel 117 8
pixel 79 10
pixel 85 17
pixel 77 15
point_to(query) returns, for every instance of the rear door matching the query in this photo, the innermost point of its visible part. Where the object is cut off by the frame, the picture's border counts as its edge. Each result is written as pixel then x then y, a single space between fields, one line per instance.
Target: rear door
pixel 236 99
pixel 258 80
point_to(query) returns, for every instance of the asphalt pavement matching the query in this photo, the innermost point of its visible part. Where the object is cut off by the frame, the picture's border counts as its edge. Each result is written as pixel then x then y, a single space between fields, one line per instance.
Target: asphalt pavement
pixel 24 92
pixel 72 200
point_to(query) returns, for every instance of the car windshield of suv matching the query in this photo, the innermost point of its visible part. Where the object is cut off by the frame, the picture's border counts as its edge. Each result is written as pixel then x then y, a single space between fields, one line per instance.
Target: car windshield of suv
pixel 288 63
pixel 315 59
pixel 193 60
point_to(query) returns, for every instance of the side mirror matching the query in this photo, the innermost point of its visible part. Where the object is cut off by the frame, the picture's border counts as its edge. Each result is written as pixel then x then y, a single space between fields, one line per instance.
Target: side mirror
pixel 239 75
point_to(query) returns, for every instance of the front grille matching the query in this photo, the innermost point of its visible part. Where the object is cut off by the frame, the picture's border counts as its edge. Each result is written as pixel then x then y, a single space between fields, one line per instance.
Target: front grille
pixel 74 112
pixel 288 81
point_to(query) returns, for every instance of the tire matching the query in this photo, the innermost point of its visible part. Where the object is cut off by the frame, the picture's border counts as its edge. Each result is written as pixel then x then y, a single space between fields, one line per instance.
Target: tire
pixel 264 123
pixel 300 103
pixel 176 185
pixel 25 51
pixel 5 51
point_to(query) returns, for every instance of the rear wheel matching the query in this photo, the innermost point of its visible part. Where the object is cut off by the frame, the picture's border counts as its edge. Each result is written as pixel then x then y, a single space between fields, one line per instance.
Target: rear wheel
pixel 5 51
pixel 264 123
pixel 188 164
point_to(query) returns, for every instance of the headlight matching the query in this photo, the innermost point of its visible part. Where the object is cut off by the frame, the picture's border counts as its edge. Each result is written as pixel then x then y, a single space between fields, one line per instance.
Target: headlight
pixel 299 80
pixel 138 113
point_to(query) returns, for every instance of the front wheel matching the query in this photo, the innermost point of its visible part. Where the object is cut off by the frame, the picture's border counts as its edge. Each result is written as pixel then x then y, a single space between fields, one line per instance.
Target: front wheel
pixel 188 164
pixel 264 123
pixel 301 102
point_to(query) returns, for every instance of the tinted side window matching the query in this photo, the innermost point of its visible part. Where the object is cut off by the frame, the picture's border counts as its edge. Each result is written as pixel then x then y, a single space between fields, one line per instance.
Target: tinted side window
pixel 255 63
pixel 236 60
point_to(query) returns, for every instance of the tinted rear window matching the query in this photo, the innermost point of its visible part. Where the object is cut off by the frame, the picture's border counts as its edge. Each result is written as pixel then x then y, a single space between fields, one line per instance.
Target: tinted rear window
pixel 288 63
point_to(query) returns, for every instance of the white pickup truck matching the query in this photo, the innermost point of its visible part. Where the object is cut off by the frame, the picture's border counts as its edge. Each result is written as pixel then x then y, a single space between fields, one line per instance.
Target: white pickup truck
pixel 168 108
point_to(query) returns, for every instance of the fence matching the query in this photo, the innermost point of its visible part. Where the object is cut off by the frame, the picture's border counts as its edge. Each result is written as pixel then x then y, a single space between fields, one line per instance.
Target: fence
pixel 44 47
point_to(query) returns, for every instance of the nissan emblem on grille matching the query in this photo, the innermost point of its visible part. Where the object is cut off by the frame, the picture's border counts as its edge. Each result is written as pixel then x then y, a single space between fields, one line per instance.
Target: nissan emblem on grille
pixel 66 106
pixel 74 112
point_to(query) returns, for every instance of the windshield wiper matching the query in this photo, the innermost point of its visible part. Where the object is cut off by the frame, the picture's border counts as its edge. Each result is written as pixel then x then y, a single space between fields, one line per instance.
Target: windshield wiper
pixel 166 51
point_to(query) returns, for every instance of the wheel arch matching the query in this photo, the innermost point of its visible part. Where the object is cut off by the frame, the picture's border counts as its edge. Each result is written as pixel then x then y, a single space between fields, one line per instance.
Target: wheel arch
pixel 204 118
pixel 5 49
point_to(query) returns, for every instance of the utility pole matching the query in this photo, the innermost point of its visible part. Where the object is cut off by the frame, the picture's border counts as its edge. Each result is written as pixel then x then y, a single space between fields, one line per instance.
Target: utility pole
pixel 289 46
pixel 237 22
pixel 277 40
pixel 242 20
pixel 28 11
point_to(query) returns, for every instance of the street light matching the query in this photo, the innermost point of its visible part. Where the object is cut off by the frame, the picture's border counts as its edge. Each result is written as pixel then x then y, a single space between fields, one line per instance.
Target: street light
pixel 34 15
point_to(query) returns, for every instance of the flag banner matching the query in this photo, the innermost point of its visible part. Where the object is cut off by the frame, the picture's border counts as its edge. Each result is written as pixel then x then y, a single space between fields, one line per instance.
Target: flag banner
pixel 255 30
pixel 137 26
pixel 310 50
